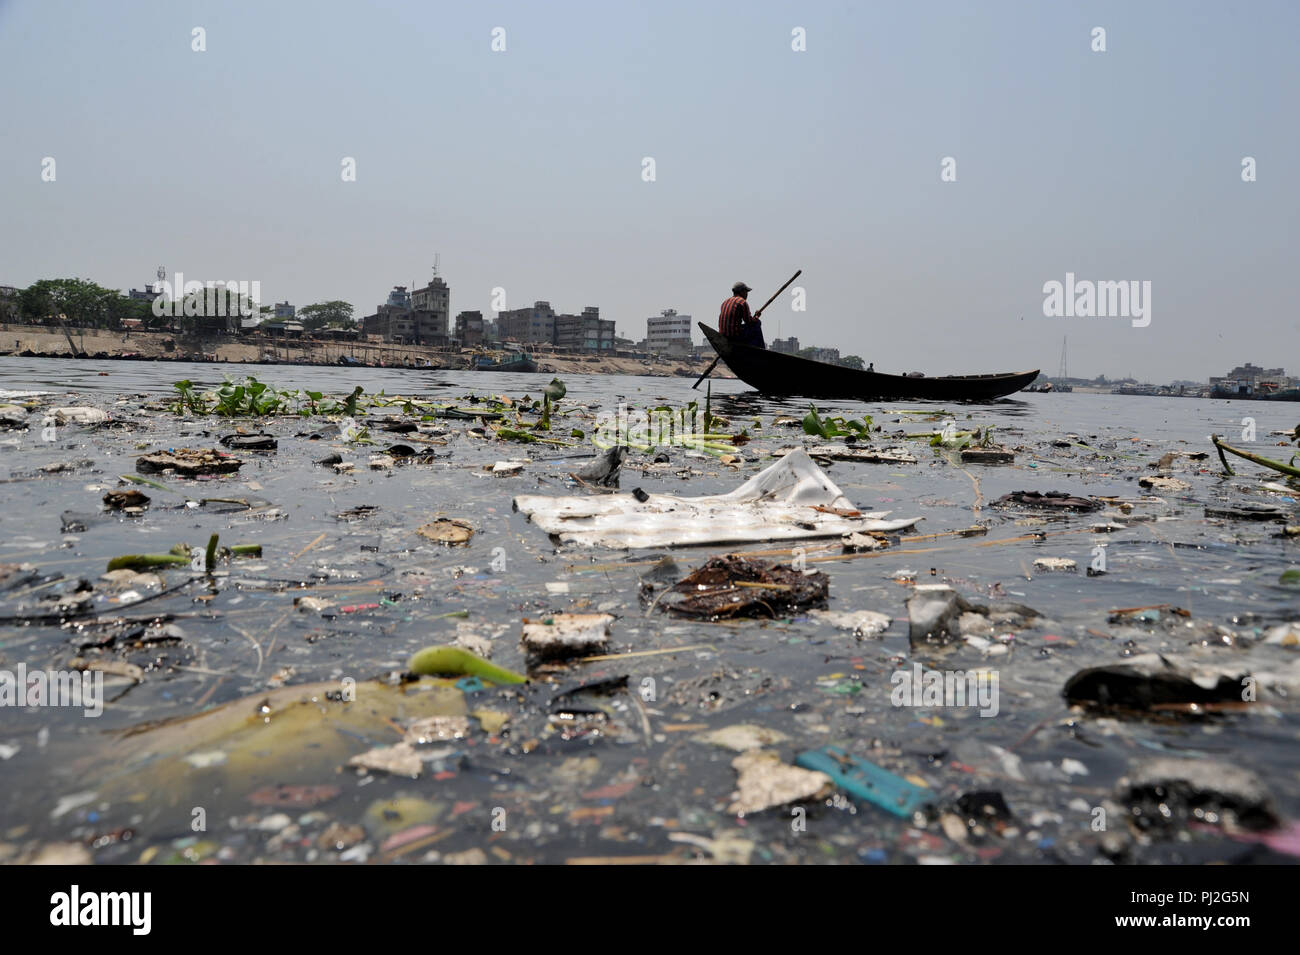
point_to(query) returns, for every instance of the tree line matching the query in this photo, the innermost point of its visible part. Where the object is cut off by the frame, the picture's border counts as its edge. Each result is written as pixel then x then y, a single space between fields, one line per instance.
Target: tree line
pixel 85 304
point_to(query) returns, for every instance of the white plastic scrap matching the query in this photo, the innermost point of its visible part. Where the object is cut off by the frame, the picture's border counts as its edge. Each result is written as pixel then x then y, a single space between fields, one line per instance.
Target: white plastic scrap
pixel 781 502
pixel 567 634
pixel 866 623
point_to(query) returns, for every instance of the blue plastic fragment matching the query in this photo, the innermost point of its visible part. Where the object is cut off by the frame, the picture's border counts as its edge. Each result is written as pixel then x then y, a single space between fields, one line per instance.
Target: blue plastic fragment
pixel 866 781
pixel 470 684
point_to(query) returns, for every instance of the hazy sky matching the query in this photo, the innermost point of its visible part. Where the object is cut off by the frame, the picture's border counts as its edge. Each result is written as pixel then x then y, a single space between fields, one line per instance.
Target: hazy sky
pixel 524 168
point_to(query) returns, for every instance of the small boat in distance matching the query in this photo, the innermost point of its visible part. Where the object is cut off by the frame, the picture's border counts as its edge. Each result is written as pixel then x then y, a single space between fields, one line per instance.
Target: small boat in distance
pixel 775 373
pixel 513 361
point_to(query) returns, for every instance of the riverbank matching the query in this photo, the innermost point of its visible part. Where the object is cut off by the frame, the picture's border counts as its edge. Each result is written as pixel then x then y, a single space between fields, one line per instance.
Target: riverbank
pixel 29 340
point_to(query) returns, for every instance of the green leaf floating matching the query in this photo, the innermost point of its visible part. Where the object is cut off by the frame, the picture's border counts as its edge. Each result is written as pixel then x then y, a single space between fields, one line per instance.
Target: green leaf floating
pixel 455 661
pixel 145 561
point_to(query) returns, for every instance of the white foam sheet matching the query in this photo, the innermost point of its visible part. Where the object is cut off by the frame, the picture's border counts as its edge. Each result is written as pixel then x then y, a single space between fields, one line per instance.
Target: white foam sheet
pixel 775 504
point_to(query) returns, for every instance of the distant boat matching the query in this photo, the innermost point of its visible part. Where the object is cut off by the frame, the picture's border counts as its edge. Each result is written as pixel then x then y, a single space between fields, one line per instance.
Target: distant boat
pixel 774 373
pixel 515 361
pixel 350 361
pixel 1264 391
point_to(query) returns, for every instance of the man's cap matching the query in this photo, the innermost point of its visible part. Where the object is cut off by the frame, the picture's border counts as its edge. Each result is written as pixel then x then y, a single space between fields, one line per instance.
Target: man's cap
pixel 741 287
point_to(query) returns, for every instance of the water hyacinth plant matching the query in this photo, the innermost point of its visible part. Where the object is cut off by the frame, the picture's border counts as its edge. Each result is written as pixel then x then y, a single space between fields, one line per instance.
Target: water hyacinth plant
pixel 829 428
pixel 250 398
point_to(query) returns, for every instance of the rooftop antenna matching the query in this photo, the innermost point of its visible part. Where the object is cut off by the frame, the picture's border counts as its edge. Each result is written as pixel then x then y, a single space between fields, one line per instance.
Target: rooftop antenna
pixel 437 259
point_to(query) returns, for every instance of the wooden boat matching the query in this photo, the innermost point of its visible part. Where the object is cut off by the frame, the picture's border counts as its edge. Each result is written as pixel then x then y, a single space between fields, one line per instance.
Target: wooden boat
pixel 515 361
pixel 775 373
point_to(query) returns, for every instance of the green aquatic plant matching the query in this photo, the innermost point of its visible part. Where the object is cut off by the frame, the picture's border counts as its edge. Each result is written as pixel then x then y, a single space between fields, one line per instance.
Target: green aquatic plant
pixel 250 398
pixel 184 554
pixel 821 427
pixel 455 661
pixel 1278 466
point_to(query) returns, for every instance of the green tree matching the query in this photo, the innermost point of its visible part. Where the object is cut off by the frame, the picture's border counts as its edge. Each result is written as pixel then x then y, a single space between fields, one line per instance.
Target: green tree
pixel 853 361
pixel 80 302
pixel 333 314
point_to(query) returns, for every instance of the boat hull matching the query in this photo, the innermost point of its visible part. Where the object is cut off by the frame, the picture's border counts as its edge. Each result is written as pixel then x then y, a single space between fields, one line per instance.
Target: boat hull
pixel 521 365
pixel 778 374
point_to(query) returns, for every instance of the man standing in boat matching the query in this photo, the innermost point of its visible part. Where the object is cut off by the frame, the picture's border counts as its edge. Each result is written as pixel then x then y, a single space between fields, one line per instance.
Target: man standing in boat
pixel 735 320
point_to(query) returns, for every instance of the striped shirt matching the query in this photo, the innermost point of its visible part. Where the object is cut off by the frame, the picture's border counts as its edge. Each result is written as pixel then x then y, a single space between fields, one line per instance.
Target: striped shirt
pixel 734 317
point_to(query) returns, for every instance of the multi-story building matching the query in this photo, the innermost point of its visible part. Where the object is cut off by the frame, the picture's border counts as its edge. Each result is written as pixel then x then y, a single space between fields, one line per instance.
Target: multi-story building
pixel 1249 380
pixel 147 294
pixel 392 321
pixel 585 332
pixel 418 318
pixel 669 332
pixel 284 311
pixel 829 355
pixel 431 306
pixel 434 297
pixel 389 323
pixel 469 328
pixel 786 346
pixel 535 324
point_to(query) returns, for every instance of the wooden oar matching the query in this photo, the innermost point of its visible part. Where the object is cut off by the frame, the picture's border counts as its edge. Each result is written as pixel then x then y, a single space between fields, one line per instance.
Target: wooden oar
pixel 708 371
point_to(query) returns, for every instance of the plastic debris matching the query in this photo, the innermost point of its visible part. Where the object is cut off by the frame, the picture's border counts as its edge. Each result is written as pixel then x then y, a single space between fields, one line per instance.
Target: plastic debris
pixel 987 455
pixel 856 453
pixel 863 623
pixel 447 531
pixel 937 613
pixel 1149 681
pixel 564 635
pixel 120 500
pixel 867 782
pixel 1053 500
pixel 765 781
pixel 188 462
pixel 1286 635
pixel 1055 564
pixel 1169 792
pixel 79 415
pixel 742 737
pixel 249 442
pixel 791 499
pixel 603 470
pixel 931 611
pixel 1248 512
pixel 1164 483
pixel 862 542
pixel 733 586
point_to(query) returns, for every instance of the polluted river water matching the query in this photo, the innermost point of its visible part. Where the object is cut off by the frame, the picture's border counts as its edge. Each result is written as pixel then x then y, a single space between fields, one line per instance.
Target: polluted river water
pixel 1105 676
